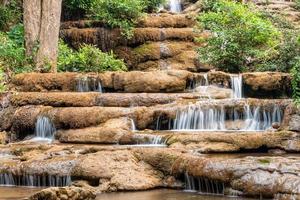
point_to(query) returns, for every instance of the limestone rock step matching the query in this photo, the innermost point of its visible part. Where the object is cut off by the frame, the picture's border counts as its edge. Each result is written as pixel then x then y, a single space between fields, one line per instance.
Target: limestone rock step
pixel 119 131
pixel 251 176
pixel 89 99
pixel 230 141
pixel 107 39
pixel 134 81
pixel 162 55
pixel 22 120
pixel 133 169
pixel 163 20
pixel 257 84
pixel 115 131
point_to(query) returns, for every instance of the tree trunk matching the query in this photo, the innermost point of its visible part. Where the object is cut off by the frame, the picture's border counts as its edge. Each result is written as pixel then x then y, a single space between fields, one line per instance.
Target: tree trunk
pixel 32 22
pixel 41 23
pixel 49 33
pixel 4 2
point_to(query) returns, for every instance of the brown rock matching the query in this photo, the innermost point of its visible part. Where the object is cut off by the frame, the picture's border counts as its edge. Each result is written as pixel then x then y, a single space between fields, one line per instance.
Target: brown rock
pixel 121 170
pixel 114 131
pixel 156 81
pixel 70 99
pixel 267 84
pixel 74 193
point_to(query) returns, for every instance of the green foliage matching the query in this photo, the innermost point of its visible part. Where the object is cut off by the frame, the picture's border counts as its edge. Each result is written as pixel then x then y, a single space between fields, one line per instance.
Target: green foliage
pixel 288 52
pixel 240 37
pixel 297 4
pixel 87 59
pixel 10 14
pixel 2 84
pixel 12 51
pixel 296 81
pixel 118 13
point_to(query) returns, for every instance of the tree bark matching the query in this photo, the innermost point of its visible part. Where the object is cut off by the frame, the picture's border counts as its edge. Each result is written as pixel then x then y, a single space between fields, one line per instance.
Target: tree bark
pixel 32 22
pixel 41 23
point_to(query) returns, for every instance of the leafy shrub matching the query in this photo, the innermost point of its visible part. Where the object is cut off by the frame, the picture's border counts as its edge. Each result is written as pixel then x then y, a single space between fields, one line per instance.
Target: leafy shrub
pixel 118 13
pixel 87 59
pixel 296 81
pixel 10 14
pixel 287 56
pixel 297 4
pixel 12 51
pixel 239 37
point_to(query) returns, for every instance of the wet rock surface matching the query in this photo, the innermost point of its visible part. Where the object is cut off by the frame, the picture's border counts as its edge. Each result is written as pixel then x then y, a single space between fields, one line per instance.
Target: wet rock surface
pixel 72 193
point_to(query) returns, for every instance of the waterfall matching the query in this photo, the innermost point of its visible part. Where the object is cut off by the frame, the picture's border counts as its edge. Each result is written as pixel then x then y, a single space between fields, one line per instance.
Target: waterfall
pixel 8 179
pixel 196 118
pixel 175 6
pixel 199 84
pixel 237 86
pixel 85 84
pixel 260 119
pixel 250 118
pixel 44 128
pixel 204 185
pixel 133 127
pixel 157 140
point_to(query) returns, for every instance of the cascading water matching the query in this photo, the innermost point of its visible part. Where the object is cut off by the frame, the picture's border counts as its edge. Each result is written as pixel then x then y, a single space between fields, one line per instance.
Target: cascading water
pixel 157 140
pixel 260 119
pixel 237 86
pixel 216 118
pixel 85 84
pixel 44 128
pixel 204 185
pixel 133 127
pixel 175 6
pixel 195 118
pixel 8 179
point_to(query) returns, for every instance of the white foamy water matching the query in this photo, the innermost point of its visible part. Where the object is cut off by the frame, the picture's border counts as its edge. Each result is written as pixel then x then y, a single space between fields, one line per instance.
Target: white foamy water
pixel 175 6
pixel 204 185
pixel 85 84
pixel 237 86
pixel 133 127
pixel 217 118
pixel 8 179
pixel 44 129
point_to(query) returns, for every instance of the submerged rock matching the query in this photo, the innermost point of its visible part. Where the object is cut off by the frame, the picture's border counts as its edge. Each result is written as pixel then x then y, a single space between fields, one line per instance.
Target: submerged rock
pixel 66 193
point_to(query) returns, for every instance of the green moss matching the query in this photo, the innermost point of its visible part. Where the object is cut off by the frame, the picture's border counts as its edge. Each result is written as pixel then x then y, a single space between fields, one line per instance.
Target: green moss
pixel 264 161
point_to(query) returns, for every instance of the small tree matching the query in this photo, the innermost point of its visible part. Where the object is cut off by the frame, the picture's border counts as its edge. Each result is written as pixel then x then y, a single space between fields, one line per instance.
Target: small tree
pixel 239 36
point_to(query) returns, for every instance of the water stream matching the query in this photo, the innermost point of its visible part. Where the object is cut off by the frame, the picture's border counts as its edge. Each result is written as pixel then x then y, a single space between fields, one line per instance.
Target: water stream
pixel 248 118
pixel 175 6
pixel 237 86
pixel 44 128
pixel 9 179
pixel 204 185
pixel 86 84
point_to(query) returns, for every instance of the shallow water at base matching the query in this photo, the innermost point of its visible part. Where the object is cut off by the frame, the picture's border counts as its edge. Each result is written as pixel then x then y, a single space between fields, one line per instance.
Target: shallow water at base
pixel 14 193
pixel 161 195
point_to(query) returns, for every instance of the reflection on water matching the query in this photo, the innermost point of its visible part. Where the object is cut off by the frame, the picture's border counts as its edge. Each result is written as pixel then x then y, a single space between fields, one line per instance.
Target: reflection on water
pixel 13 193
pixel 161 195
